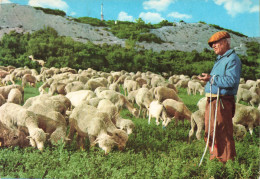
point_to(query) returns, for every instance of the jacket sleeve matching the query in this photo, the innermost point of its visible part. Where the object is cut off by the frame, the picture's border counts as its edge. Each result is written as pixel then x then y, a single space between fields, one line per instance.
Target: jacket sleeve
pixel 231 76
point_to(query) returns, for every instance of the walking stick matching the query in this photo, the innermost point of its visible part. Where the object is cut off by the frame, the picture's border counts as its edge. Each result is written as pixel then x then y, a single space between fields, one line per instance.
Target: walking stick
pixel 215 123
pixel 207 143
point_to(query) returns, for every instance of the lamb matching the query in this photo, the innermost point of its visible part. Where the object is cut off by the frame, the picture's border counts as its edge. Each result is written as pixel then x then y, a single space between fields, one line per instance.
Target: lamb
pixel 176 109
pixel 40 62
pixel 89 122
pixel 28 78
pixel 194 86
pixel 161 93
pixel 14 116
pixel 247 116
pixel 15 96
pixel 247 96
pixel 12 137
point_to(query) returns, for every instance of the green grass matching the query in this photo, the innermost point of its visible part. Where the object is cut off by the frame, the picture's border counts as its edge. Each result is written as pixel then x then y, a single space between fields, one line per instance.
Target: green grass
pixel 151 152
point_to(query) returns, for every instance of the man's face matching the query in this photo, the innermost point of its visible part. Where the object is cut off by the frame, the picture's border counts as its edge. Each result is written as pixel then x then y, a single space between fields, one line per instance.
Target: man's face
pixel 220 47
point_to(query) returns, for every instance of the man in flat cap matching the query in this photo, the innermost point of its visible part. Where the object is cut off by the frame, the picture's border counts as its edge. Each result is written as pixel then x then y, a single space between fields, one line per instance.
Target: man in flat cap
pixel 222 85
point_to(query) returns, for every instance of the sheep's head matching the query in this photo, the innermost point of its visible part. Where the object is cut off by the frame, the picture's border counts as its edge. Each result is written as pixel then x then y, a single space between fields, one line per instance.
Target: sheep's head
pixel 120 138
pixel 105 142
pixel 37 138
pixel 135 112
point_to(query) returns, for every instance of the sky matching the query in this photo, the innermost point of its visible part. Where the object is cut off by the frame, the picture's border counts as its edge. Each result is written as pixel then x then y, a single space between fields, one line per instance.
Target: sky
pixel 237 15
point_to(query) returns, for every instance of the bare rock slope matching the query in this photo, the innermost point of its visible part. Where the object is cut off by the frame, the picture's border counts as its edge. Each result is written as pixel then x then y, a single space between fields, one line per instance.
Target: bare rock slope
pixel 183 36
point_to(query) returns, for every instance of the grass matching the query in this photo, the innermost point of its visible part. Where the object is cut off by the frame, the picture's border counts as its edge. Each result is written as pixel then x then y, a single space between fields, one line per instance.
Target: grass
pixel 151 152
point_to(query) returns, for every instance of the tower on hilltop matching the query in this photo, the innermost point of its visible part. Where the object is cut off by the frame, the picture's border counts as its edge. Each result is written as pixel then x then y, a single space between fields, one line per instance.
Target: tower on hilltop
pixel 102 16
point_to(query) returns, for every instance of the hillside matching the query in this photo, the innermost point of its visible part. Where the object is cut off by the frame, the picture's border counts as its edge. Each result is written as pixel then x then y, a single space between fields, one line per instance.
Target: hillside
pixel 183 36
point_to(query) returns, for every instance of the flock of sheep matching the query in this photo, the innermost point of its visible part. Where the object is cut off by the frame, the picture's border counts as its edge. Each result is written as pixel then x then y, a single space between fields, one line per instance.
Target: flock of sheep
pixel 88 104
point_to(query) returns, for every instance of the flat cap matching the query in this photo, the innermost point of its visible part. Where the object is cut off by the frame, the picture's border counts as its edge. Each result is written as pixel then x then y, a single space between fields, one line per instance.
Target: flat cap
pixel 218 36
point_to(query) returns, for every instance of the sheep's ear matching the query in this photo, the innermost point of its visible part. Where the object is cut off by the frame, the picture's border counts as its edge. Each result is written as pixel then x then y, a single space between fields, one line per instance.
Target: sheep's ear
pixel 28 137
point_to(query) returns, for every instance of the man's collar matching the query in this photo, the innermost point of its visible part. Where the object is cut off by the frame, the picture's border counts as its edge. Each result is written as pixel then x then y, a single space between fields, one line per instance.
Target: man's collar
pixel 227 53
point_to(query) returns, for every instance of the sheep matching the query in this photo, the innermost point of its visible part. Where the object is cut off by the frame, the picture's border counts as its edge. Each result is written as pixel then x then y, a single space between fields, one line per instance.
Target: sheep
pixel 176 109
pixel 12 137
pixel 57 87
pixel 131 96
pixel 194 86
pixel 92 84
pixel 247 96
pixel 143 99
pixel 197 119
pixel 155 110
pixel 14 116
pixel 161 93
pixel 28 78
pixel 125 124
pixel 9 77
pixel 15 96
pixel 4 90
pixel 77 97
pixel 239 131
pixel 247 116
pixel 105 105
pixel 130 85
pixel 40 62
pixel 114 86
pixel 2 100
pixel 119 100
pixel 96 125
pixel 74 86
pixel 183 83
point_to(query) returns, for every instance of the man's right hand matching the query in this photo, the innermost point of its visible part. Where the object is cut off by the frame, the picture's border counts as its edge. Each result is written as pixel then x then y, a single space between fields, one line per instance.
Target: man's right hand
pixel 204 77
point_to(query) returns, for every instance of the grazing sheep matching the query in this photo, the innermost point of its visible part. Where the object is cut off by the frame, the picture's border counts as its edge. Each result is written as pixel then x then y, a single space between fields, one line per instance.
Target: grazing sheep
pixel 176 109
pixel 131 96
pixel 40 62
pixel 74 86
pixel 247 96
pixel 194 86
pixel 4 90
pixel 183 83
pixel 119 100
pixel 14 116
pixel 161 93
pixel 143 99
pixel 57 87
pixel 239 131
pixel 8 78
pixel 114 86
pixel 130 85
pixel 12 137
pixel 105 105
pixel 15 96
pixel 28 78
pixel 247 116
pixel 89 122
pixel 92 84
pixel 125 124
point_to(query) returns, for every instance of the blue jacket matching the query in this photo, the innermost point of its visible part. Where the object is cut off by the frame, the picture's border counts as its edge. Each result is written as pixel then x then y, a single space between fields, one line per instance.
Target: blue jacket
pixel 226 72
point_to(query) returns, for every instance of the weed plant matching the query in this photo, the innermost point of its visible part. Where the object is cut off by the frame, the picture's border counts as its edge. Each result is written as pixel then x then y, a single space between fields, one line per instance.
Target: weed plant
pixel 151 152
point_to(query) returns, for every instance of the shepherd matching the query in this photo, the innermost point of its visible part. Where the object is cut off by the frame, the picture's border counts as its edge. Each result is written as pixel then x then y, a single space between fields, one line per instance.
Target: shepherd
pixel 221 88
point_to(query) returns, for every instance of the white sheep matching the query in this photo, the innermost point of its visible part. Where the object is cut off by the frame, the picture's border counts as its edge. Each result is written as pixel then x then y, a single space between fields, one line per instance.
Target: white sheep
pixel 15 96
pixel 130 85
pixel 197 119
pixel 143 99
pixel 14 116
pixel 155 110
pixel 125 124
pixel 247 116
pixel 193 87
pixel 40 62
pixel 96 125
pixel 76 97
pixel 247 96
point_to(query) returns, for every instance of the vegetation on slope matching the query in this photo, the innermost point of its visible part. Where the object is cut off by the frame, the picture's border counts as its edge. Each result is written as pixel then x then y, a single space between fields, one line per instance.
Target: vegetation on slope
pixel 59 51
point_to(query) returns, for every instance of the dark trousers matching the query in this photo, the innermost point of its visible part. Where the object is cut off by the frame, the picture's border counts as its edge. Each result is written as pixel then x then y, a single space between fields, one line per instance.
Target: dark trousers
pixel 224 145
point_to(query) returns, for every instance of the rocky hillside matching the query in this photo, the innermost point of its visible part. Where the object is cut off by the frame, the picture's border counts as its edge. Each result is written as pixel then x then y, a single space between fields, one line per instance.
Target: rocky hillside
pixel 183 36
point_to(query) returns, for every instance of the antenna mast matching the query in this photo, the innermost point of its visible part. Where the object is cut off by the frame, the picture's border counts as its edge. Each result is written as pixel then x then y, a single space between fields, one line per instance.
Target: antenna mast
pixel 102 16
